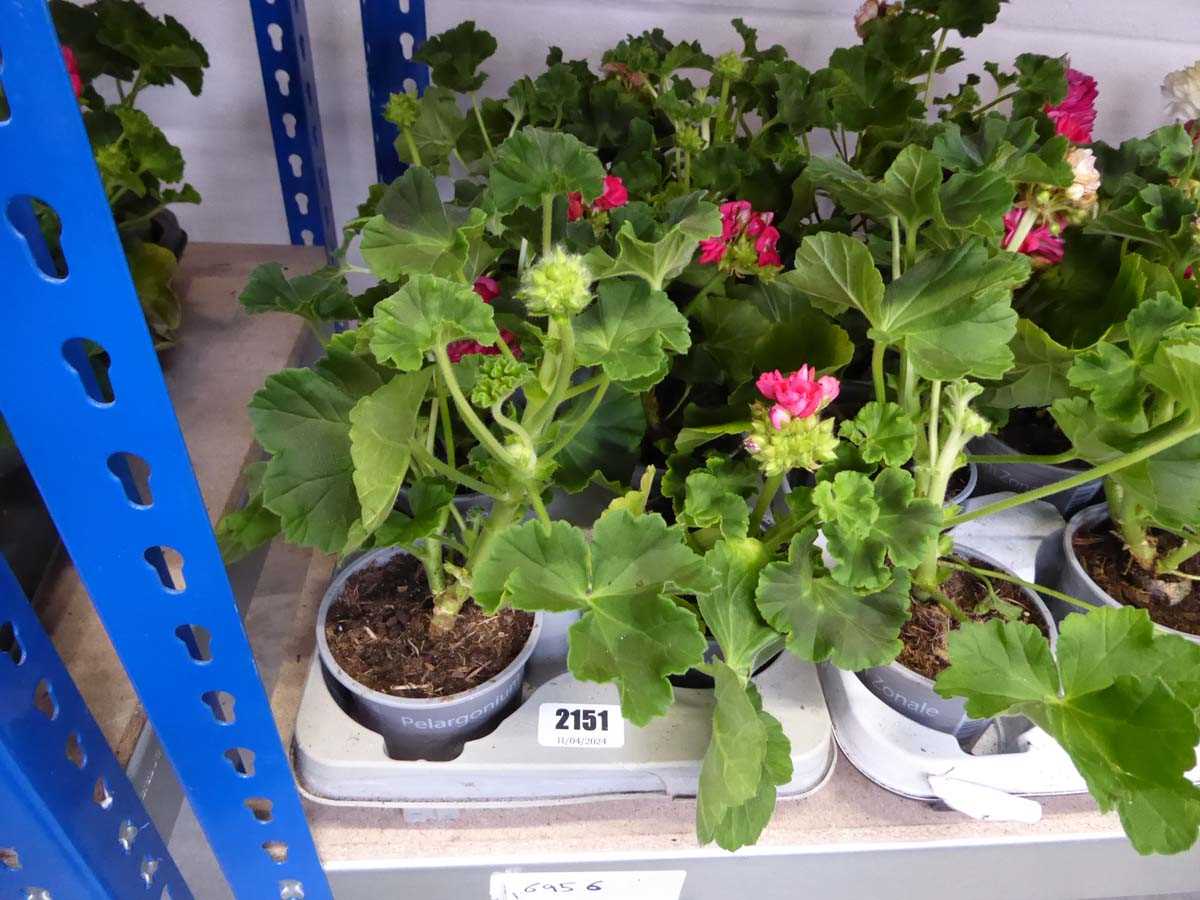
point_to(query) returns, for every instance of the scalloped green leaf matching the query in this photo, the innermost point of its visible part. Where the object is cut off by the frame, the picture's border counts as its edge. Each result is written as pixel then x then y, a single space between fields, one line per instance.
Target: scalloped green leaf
pixel 883 432
pixel 414 233
pixel 535 162
pixel 382 425
pixel 629 331
pixel 837 272
pixel 428 312
pixel 871 524
pixel 728 607
pixel 321 295
pixel 1039 373
pixel 825 620
pixel 426 503
pixel 632 632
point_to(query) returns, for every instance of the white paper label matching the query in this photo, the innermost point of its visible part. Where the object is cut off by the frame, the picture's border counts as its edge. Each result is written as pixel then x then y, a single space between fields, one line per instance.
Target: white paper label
pixel 588 885
pixel 580 725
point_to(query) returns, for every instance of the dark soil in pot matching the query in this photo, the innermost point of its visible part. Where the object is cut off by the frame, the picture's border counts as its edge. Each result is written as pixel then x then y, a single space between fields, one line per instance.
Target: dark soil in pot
pixel 1034 431
pixel 1170 600
pixel 378 632
pixel 928 628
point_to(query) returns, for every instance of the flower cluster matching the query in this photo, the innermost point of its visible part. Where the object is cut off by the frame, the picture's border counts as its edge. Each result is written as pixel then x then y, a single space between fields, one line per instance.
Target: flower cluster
pixel 559 284
pixel 615 195
pixel 871 9
pixel 747 243
pixel 488 290
pixel 790 435
pixel 1181 90
pixel 1075 116
pixel 1043 243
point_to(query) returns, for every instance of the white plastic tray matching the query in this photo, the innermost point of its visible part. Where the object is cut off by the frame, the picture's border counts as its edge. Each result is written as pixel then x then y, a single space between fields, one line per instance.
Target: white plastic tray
pixel 339 762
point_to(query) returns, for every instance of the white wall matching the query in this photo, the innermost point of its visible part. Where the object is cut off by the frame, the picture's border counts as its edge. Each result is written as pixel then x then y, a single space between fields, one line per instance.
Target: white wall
pixel 1127 44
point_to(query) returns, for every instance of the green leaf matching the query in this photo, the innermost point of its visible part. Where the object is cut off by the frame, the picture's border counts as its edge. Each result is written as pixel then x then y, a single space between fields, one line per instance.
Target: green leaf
pixel 427 501
pixel 607 444
pixel 152 269
pixel 629 331
pixel 728 607
pixel 1039 373
pixel 436 131
pixel 454 57
pixel 1130 736
pixel 148 146
pixel 867 524
pixel 952 312
pixel 382 426
pixel 321 296
pixel 748 756
pixel 976 202
pixel 415 234
pixel 690 219
pixel 162 48
pixel 302 418
pixel 836 272
pixel 883 432
pixel 241 532
pixel 631 632
pixel 909 189
pixel 826 620
pixel 535 162
pixel 1112 379
pixel 711 501
pixel 428 312
pixel 864 90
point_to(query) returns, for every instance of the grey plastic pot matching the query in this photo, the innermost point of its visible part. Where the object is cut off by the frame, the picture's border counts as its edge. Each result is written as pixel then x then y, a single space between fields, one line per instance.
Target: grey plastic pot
pixel 1074 579
pixel 1027 476
pixel 912 695
pixel 968 489
pixel 412 728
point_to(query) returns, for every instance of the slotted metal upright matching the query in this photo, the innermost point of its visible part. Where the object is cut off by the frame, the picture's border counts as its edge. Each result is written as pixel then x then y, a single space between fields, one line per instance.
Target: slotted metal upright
pixel 392 31
pixel 82 392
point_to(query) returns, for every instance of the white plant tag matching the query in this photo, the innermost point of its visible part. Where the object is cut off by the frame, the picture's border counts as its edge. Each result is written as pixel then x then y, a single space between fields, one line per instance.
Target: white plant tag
pixel 581 725
pixel 666 885
pixel 985 803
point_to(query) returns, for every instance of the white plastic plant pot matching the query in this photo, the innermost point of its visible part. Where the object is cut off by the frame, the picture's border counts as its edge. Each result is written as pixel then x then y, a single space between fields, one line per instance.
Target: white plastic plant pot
pixel 1075 580
pixel 911 694
pixel 417 728
pixel 1022 477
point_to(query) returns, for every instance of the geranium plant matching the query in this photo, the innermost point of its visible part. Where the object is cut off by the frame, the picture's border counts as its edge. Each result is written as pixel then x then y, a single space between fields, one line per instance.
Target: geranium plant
pixel 118 47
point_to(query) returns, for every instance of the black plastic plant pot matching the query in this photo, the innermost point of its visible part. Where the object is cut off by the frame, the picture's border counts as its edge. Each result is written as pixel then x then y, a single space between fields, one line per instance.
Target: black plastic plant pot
pixel 1021 477
pixel 1074 579
pixel 166 232
pixel 417 728
pixel 912 695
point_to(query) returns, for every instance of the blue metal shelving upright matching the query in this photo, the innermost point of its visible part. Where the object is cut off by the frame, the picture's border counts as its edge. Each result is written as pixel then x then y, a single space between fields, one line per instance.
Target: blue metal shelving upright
pixel 83 395
pixel 392 31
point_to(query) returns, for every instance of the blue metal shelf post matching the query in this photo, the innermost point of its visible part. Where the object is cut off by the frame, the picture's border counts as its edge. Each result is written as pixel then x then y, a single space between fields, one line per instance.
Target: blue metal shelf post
pixel 83 395
pixel 392 31
pixel 73 825
pixel 284 54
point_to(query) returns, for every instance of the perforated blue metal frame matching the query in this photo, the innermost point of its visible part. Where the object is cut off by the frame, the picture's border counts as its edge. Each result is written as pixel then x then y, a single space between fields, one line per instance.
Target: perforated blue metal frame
pixel 72 827
pixel 392 31
pixel 77 433
pixel 285 57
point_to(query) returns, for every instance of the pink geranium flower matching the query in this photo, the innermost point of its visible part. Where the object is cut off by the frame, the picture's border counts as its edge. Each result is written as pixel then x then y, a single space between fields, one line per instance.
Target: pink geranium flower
pixel 1075 117
pixel 1041 243
pixel 615 195
pixel 488 290
pixel 739 222
pixel 712 250
pixel 72 65
pixel 798 395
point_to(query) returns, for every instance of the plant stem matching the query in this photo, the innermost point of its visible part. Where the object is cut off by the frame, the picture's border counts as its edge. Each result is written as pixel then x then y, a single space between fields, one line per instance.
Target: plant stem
pixel 937 57
pixel 877 352
pixel 765 497
pixel 908 386
pixel 567 436
pixel 1124 510
pixel 690 309
pixel 130 224
pixel 1165 442
pixel 1049 459
pixel 508 424
pixel 935 402
pixel 949 606
pixel 139 82
pixel 722 107
pixel 446 606
pixel 315 328
pixel 584 386
pixel 1024 226
pixel 427 459
pixel 412 146
pixel 1013 579
pixel 1177 557
pixel 538 506
pixel 547 223
pixel 502 515
pixel 996 102
pixel 466 412
pixel 487 141
pixel 784 531
pixel 566 366
pixel 894 221
pixel 447 425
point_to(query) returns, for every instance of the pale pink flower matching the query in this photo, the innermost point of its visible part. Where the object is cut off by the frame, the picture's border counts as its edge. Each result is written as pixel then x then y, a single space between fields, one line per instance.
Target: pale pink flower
pixel 1041 243
pixel 1086 186
pixel 798 395
pixel 871 9
pixel 1075 116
